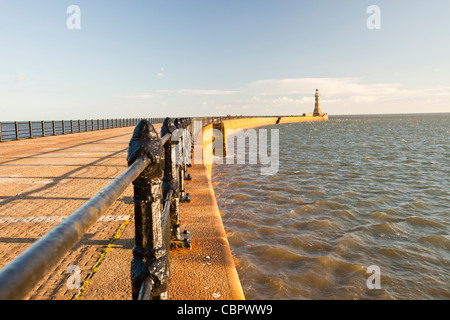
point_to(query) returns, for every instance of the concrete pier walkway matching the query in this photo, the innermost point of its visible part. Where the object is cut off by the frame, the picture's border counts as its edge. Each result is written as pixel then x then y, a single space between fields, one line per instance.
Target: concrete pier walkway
pixel 44 180
pixel 206 272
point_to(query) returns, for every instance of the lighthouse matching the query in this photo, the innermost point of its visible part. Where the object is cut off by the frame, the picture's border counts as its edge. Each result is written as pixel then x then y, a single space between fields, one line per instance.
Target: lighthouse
pixel 317 110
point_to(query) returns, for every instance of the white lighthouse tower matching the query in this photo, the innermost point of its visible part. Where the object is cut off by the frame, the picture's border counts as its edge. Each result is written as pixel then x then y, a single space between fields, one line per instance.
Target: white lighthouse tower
pixel 317 109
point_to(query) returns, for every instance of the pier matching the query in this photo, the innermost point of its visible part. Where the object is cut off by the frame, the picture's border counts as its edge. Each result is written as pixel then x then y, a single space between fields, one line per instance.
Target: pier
pixel 44 179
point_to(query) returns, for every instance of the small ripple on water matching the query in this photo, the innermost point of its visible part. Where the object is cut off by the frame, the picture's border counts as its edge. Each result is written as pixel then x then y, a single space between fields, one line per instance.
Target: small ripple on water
pixel 439 241
pixel 382 216
pixel 422 222
pixel 309 242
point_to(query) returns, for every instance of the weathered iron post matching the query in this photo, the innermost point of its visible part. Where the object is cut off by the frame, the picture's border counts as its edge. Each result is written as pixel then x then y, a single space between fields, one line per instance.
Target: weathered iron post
pixel 30 127
pixel 183 153
pixel 150 265
pixel 171 183
pixel 43 128
pixel 189 147
pixel 16 124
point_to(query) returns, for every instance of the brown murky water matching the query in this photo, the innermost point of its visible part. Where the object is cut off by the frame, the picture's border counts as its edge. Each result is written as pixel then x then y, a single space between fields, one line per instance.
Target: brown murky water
pixel 350 193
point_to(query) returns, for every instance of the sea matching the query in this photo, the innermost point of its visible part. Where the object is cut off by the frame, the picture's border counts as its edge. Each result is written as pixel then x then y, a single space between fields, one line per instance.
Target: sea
pixel 358 209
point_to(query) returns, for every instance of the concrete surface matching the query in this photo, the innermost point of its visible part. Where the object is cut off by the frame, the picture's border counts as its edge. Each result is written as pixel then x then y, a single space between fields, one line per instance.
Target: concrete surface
pixel 45 179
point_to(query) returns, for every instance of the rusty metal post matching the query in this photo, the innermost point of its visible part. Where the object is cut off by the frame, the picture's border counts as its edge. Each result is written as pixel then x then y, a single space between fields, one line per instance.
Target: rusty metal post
pixel 182 162
pixel 150 264
pixel 171 183
pixel 17 130
pixel 181 125
pixel 188 143
pixel 170 180
pixel 30 125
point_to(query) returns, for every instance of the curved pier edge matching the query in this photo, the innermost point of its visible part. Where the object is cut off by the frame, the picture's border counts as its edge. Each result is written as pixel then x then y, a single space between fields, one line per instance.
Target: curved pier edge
pixel 207 271
pixel 206 139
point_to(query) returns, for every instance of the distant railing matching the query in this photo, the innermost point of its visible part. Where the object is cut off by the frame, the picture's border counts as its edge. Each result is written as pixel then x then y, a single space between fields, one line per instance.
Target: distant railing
pixel 16 130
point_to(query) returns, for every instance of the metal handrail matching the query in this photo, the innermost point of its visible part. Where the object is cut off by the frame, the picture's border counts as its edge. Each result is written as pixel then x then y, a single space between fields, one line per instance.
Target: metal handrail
pixel 157 229
pixel 26 270
pixel 23 273
pixel 150 178
pixel 165 138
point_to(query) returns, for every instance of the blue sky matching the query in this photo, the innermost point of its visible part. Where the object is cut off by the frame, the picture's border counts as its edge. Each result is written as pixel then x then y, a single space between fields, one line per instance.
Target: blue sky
pixel 198 57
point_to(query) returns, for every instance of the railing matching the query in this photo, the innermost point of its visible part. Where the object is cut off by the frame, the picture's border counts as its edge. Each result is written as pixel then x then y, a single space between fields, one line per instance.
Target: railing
pixel 32 129
pixel 17 130
pixel 157 169
pixel 158 226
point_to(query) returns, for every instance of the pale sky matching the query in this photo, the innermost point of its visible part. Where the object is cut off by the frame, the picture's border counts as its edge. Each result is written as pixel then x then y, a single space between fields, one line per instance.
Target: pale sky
pixel 216 57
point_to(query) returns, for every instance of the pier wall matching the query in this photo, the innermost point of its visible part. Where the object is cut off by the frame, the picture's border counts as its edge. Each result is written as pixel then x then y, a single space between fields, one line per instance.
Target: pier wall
pixel 204 170
pixel 207 271
pixel 207 137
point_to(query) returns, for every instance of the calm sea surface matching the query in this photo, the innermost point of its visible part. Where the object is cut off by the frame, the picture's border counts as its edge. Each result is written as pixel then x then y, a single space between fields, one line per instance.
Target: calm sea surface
pixel 350 193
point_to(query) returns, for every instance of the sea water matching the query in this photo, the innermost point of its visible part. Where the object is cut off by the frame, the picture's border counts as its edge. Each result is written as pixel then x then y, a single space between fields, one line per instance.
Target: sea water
pixel 350 193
